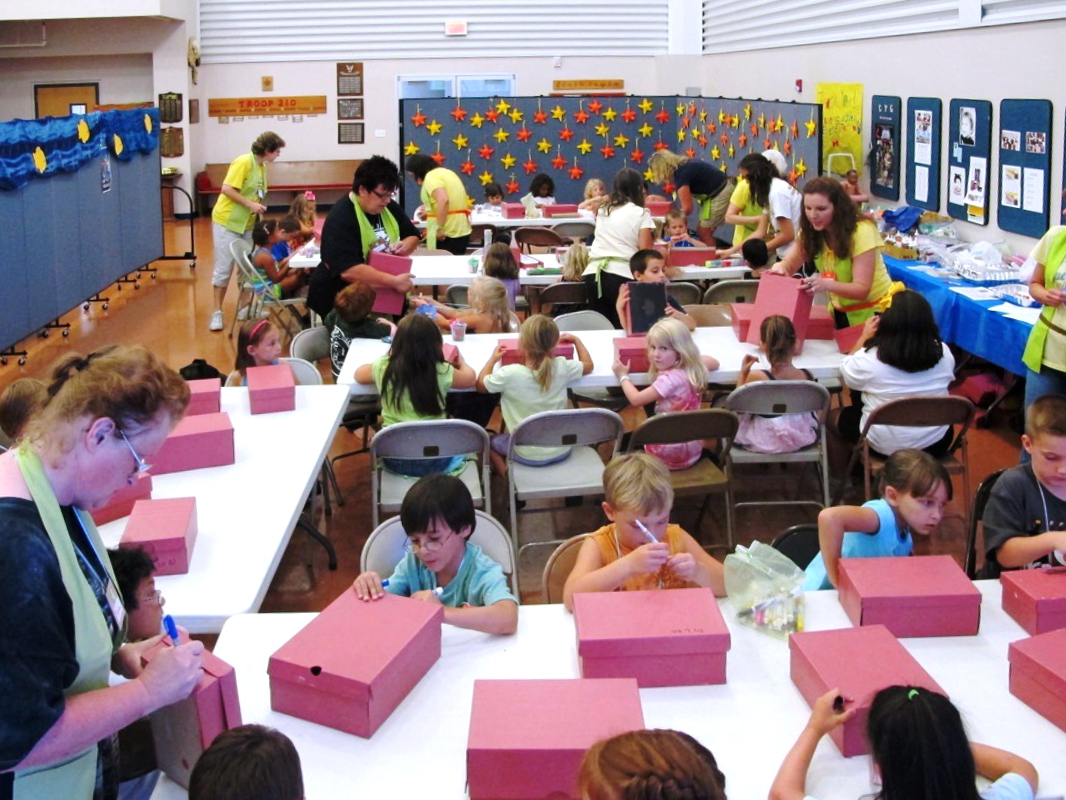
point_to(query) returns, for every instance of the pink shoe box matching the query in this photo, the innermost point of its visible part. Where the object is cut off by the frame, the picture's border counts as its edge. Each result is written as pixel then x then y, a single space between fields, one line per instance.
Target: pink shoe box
pixel 205 397
pixel 819 326
pixel 1036 598
pixel 742 314
pixel 271 389
pixel 327 673
pixel 560 210
pixel 205 440
pixel 689 256
pixel 120 504
pixel 510 355
pixel 845 337
pixel 166 529
pixel 527 738
pixel 1038 674
pixel 911 596
pixel 675 638
pixel 860 662
pixel 634 351
pixel 659 208
pixel 388 301
pixel 778 294
pixel 450 351
pixel 183 731
pixel 512 210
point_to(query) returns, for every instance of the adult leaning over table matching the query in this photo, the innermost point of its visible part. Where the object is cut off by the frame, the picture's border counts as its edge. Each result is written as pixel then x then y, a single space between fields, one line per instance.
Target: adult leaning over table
pixel 846 250
pixel 64 622
pixel 1045 351
pixel 446 203
pixel 367 219
pixel 694 182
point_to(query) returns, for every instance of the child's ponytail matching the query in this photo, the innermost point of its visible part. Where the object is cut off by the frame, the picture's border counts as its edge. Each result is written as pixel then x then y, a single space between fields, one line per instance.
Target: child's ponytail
pixel 778 339
pixel 538 338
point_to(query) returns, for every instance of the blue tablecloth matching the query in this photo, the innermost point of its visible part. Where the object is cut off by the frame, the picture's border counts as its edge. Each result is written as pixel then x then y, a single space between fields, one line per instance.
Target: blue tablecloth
pixel 964 322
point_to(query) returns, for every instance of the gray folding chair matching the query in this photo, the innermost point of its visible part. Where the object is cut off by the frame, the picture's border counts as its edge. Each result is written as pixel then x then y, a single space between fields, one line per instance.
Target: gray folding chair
pixel 253 296
pixel 718 315
pixel 560 565
pixel 575 230
pixel 528 238
pixel 456 295
pixel 738 291
pixel 976 521
pixel 591 321
pixel 683 292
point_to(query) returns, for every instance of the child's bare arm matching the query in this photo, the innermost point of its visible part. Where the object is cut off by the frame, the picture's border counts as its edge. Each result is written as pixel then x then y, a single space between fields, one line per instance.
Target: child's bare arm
pixel 486 370
pixel 590 575
pixel 993 763
pixel 697 566
pixel 501 617
pixel 635 396
pixel 833 523
pixel 791 779
pixel 364 374
pixel 583 354
pixel 688 321
pixel 1021 550
pixel 463 376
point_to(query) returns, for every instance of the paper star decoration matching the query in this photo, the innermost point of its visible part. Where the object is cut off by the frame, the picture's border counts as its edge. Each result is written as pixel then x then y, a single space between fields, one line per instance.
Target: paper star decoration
pixel 523 134
pixel 661 145
pixel 724 138
pixel 663 116
pixel 801 168
pixel 754 129
pixel 762 120
pixel 711 128
pixel 788 148
pixel 581 115
pixel 766 143
pixel 647 175
pixel 793 176
pixel 486 151
pixel 795 129
pixel 602 129
pixel 742 140
pixel 645 105
pixel 695 133
pixel 608 151
pixel 585 147
pixel 747 112
pixel 732 151
pixel 621 140
pixel 721 115
pixel 540 117
pixel 681 135
pixel 559 162
pixel 492 115
pixel 610 114
pixel 508 161
pixel 680 109
pixel 438 157
pixel 485 178
pixel 715 153
pixel 566 134
pixel 576 172
pixel 515 115
pixel 530 166
pixel 477 120
pixel 595 106
pixel 501 135
pixel 692 108
pixel 419 118
pixel 669 187
pixel 686 122
pixel 512 186
pixel 724 167
pixel 410 149
pixel 812 126
pixel 502 106
pixel 434 128
pixel 637 156
pixel 544 146
pixel 558 113
pixel 691 152
pixel 460 142
pixel 467 167
pixel 629 114
pixel 645 130
pixel 459 113
pixel 703 141
pixel 736 121
pixel 703 115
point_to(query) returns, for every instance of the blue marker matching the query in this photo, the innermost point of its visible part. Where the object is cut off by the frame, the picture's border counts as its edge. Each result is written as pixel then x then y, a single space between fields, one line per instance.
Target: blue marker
pixel 439 590
pixel 172 629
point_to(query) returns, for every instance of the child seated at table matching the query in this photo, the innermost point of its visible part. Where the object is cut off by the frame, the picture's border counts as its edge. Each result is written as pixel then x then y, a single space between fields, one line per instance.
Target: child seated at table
pixel 258 345
pixel 18 403
pixel 756 256
pixel 493 197
pixel 660 764
pixel 1025 519
pixel 676 231
pixel 488 312
pixel 350 319
pixel 283 250
pixel 280 280
pixel 499 263
pixel 915 488
pixel 135 575
pixel 442 565
pixel 640 549
pixel 649 266
pixel 305 209
pixel 249 762
pixel 541 193
pixel 595 196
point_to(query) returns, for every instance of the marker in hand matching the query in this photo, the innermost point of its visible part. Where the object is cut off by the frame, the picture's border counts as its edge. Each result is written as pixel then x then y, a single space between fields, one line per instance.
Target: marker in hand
pixel 439 590
pixel 172 629
pixel 645 531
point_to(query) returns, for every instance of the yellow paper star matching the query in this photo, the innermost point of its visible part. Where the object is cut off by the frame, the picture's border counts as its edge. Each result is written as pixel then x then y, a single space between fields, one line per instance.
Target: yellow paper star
pixel 585 147
pixel 645 105
pixel 544 146
pixel 147 123
pixel 610 114
pixel 503 106
pixel 703 115
pixel 801 168
pixel 762 120
pixel 648 175
pixel 621 140
pixel 695 133
pixel 508 161
pixel 680 108
pixel 501 135
pixel 515 115
pixel 433 127
pixel 411 149
pixel 721 115
pixel 485 178
pixel 732 151
pixel 812 126
pixel 602 129
pixel 477 120
pixel 724 168
pixel 83 131
pixel 747 112
pixel 558 113
pixel 460 142
pixel 681 135
pixel 40 160
pixel 715 153
pixel 645 130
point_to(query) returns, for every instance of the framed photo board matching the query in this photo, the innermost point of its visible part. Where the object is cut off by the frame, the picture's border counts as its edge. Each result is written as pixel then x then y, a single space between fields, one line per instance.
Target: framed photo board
pixel 349 108
pixel 350 133
pixel 925 116
pixel 969 159
pixel 885 147
pixel 1024 166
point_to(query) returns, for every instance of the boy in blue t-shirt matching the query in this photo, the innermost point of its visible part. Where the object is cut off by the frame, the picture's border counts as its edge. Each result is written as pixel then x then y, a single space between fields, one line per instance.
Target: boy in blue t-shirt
pixel 441 565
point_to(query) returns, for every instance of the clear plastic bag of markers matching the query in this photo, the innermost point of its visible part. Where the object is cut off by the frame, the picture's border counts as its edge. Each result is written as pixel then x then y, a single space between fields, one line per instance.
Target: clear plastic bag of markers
pixel 766 589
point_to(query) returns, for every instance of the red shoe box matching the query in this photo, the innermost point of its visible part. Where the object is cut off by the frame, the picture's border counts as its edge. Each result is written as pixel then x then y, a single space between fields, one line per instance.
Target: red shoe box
pixel 166 529
pixel 1036 598
pixel 512 210
pixel 205 440
pixel 1038 674
pixel 120 504
pixel 819 326
pixel 388 301
pixel 510 355
pixel 560 210
pixel 328 674
pixel 860 662
pixel 742 314
pixel 674 638
pixel 911 596
pixel 450 351
pixel 527 738
pixel 782 295
pixel 271 389
pixel 205 397
pixel 634 351
pixel 689 256
pixel 845 337
pixel 183 731
pixel 659 208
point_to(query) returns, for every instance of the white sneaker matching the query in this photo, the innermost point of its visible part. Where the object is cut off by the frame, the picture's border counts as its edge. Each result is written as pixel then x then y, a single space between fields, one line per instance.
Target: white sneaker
pixel 216 323
pixel 242 315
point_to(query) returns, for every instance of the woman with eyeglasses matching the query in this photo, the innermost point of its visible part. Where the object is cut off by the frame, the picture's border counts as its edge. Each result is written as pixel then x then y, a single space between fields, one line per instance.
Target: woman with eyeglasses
pixel 63 621
pixel 368 219
pixel 446 203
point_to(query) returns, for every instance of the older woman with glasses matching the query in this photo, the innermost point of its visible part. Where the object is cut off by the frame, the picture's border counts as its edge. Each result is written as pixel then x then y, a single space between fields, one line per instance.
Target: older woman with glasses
pixel 64 620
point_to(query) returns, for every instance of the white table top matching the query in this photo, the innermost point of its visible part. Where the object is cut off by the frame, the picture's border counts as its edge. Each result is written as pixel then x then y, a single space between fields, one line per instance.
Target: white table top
pixel 749 723
pixel 820 356
pixel 246 511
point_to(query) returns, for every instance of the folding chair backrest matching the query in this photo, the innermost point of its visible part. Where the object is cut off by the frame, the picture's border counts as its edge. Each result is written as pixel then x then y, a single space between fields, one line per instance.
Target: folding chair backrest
pixel 740 291
pixel 977 513
pixel 538 237
pixel 568 428
pixel 716 315
pixel 683 292
pixel 560 565
pixel 779 397
pixel 242 254
pixel 563 292
pixel 583 321
pixel 438 438
pixel 311 344
pixel 686 426
pixel 799 543
pixel 303 372
pixel 575 230
pixel 923 412
pixel 456 295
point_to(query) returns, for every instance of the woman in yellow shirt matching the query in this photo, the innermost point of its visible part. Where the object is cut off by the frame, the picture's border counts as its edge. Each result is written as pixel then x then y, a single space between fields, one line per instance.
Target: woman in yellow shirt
pixel 447 206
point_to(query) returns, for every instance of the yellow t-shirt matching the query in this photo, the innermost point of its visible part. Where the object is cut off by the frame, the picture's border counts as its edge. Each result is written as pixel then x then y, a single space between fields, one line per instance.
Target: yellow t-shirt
pixel 865 238
pixel 457 223
pixel 741 198
pixel 1054 345
pixel 250 180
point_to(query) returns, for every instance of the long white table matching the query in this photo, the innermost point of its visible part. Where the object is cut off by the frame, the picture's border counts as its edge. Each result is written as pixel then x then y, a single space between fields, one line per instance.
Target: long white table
pixel 749 723
pixel 246 511
pixel 821 357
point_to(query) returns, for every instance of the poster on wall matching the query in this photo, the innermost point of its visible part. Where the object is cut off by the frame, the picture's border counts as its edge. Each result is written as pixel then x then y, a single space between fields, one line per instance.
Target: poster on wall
pixel 885 147
pixel 1025 166
pixel 969 159
pixel 924 122
pixel 841 126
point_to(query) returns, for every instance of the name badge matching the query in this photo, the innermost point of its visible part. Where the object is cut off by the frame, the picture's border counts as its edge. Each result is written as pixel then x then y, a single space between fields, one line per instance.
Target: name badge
pixel 114 600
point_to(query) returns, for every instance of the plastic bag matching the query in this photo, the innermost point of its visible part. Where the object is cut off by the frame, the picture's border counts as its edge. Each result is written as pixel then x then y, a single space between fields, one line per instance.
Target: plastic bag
pixel 765 588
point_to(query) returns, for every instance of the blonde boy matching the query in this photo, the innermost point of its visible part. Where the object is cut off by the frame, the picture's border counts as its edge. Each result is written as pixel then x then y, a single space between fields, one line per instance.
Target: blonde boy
pixel 1025 519
pixel 640 549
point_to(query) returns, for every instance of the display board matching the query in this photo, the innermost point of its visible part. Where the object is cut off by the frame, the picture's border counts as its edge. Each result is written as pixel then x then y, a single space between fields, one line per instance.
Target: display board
pixel 924 124
pixel 1024 166
pixel 572 139
pixel 885 146
pixel 969 159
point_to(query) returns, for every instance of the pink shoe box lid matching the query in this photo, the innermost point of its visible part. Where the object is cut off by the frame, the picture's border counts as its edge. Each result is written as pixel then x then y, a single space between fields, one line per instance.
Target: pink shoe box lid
pixel 741 314
pixel 632 349
pixel 858 661
pixel 512 210
pixel 689 256
pixel 659 208
pixel 845 337
pixel 527 737
pixel 204 440
pixel 120 504
pixel 1043 657
pixel 904 582
pixel 560 210
pixel 510 355
pixel 780 294
pixel 205 397
pixel 388 301
pixel 271 389
pixel 1036 598
pixel 166 529
pixel 449 351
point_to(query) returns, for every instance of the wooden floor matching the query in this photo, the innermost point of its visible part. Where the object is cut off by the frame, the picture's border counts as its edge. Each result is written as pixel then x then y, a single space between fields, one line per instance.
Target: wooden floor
pixel 169 313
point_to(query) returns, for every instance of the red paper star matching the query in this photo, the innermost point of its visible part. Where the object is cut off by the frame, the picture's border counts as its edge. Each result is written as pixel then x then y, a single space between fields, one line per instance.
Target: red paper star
pixel 702 140
pixel 492 115
pixel 581 115
pixel 438 157
pixel 661 145
pixel 558 162
pixel 485 151
pixel 595 106
pixel 607 150
pixel 742 139
pixel 669 188
pixel 663 116
pixel 459 113
pixel 793 176
pixel 724 138
pixel 637 156
pixel 754 129
pixel 467 167
pixel 530 166
pixel 512 186
pixel 685 122
pixel 788 148
pixel 566 134
pixel 691 152
pixel 795 129
pixel 523 134
pixel 419 118
pixel 692 108
pixel 540 117
pixel 629 115
pixel 712 128
pixel 767 143
pixel 576 172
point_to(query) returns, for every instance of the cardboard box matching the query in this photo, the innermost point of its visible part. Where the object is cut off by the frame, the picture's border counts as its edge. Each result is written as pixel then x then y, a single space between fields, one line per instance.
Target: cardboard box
pixel 527 738
pixel 659 208
pixel 858 661
pixel 205 397
pixel 510 355
pixel 1036 598
pixel 742 314
pixel 449 351
pixel 120 504
pixel 329 674
pixel 560 210
pixel 689 256
pixel 820 324
pixel 845 337
pixel 166 529
pixel 632 350
pixel 205 440
pixel 911 596
pixel 675 638
pixel 782 295
pixel 1038 674
pixel 512 210
pixel 271 389
pixel 388 301
pixel 184 730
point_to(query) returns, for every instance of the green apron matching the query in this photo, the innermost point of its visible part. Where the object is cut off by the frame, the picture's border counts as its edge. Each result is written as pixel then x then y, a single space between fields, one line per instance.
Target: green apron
pixel 367 237
pixel 600 264
pixel 1033 357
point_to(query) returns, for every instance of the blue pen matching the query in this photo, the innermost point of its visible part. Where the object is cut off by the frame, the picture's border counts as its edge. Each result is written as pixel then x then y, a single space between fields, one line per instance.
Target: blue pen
pixel 172 629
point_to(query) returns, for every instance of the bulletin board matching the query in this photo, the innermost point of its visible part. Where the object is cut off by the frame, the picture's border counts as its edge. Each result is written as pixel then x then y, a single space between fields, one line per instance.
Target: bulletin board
pixel 969 159
pixel 925 117
pixel 1024 166
pixel 573 139
pixel 885 146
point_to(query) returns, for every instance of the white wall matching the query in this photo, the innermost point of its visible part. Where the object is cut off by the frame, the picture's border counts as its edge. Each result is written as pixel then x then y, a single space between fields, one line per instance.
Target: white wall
pixel 122 79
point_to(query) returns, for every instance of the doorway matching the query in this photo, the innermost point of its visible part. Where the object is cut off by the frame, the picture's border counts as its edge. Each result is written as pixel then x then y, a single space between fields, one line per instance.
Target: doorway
pixel 64 99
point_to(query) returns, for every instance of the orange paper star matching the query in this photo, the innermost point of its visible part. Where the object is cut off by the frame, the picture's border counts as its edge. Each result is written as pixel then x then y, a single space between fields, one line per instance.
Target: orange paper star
pixel 492 115
pixel 595 106
pixel 576 172
pixel 467 167
pixel 459 113
pixel 419 118
pixel 523 134
pixel 637 156
pixel 566 134
pixel 486 151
